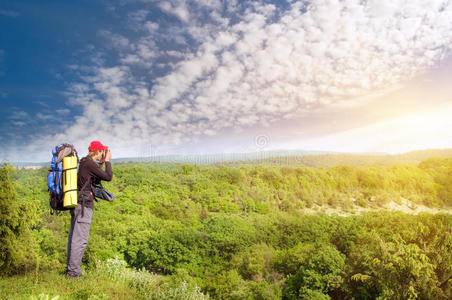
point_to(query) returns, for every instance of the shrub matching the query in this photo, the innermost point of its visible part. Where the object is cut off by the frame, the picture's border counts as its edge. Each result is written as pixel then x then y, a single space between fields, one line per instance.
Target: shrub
pixel 17 248
pixel 148 285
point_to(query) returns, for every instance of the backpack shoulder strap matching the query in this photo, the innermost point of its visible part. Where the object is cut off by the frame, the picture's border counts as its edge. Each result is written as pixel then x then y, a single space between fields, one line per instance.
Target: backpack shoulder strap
pixel 83 198
pixel 85 184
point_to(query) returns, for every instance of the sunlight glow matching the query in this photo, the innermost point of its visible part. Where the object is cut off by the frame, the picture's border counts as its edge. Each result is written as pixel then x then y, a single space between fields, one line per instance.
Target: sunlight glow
pixel 422 130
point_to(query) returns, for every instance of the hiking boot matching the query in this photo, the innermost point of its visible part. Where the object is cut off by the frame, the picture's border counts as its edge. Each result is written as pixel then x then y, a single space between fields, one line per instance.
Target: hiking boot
pixel 70 276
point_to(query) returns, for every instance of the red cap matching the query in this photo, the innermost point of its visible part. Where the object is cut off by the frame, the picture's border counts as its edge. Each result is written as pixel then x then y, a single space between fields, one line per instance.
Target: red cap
pixel 96 145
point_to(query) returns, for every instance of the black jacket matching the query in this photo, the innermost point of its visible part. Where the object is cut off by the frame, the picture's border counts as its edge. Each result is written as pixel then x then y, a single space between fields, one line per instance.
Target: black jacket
pixel 89 169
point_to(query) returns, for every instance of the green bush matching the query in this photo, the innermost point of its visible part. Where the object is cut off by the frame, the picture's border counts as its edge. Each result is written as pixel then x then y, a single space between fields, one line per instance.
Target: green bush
pixel 148 285
pixel 17 246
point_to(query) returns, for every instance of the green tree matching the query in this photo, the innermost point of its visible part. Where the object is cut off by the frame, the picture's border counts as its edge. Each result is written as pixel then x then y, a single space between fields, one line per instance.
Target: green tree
pixel 391 270
pixel 320 273
pixel 15 218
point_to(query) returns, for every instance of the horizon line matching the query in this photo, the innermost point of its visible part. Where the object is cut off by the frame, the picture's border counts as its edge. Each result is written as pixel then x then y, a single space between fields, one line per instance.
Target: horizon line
pixel 308 152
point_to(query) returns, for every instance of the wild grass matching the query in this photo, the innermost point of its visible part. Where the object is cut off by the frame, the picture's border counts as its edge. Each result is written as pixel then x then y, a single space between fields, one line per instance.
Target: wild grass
pixel 110 279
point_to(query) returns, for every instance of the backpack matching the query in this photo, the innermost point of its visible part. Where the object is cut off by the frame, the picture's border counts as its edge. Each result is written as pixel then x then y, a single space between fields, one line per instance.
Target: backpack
pixel 54 182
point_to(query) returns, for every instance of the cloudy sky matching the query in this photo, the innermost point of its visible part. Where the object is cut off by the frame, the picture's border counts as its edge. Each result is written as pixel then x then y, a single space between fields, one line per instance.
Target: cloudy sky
pixel 156 77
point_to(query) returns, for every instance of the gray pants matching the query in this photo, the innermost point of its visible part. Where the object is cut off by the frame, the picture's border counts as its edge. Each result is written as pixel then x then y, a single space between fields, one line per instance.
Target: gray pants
pixel 78 239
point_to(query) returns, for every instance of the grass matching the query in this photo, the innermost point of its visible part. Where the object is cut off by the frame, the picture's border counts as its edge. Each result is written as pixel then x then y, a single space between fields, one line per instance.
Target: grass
pixel 110 279
pixel 53 283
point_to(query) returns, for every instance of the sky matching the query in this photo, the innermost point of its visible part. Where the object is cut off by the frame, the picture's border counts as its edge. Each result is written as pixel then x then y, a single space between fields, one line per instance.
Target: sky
pixel 152 77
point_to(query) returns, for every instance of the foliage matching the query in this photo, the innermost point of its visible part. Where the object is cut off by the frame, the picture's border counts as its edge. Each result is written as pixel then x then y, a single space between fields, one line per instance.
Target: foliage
pixel 147 285
pixel 187 231
pixel 349 159
pixel 16 246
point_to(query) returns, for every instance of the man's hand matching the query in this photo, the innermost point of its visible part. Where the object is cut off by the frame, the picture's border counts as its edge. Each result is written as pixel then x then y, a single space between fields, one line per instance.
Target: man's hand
pixel 108 156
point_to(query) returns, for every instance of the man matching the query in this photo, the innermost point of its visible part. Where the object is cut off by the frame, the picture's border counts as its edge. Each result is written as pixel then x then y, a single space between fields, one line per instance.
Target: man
pixel 89 173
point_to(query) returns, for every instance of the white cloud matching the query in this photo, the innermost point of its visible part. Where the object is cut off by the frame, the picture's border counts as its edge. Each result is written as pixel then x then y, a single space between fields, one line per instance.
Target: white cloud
pixel 9 13
pixel 177 8
pixel 253 65
pixel 138 17
pixel 63 111
pixel 118 41
pixel 18 123
pixel 131 59
pixel 18 115
pixel 44 117
pixel 151 26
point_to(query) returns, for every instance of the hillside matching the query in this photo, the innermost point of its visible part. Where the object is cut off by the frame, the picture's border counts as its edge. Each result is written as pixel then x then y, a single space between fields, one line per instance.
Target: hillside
pixel 330 160
pixel 258 232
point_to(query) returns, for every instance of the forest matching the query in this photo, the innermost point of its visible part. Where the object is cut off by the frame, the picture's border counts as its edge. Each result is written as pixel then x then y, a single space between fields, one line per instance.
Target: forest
pixel 186 231
pixel 349 159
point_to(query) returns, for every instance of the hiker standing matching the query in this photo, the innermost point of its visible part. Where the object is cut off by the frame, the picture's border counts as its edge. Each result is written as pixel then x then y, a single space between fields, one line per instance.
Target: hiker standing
pixel 89 173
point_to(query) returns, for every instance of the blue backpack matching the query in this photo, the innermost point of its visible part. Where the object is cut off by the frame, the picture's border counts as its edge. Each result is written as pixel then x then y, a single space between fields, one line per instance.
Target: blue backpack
pixel 54 176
